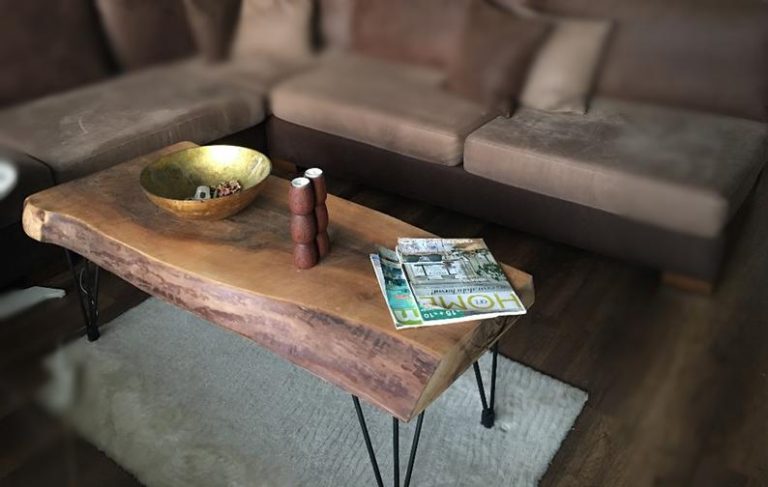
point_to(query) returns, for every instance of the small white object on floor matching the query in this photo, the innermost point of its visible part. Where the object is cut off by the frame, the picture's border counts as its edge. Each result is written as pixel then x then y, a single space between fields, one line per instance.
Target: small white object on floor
pixel 16 301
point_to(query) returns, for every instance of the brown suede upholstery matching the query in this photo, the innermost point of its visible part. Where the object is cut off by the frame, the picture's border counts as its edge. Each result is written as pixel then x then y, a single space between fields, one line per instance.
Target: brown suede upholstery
pixel 145 32
pixel 632 9
pixel 48 47
pixel 213 24
pixel 335 23
pixel 677 169
pixel 383 104
pixel 456 189
pixel 259 73
pixel 704 54
pixel 713 62
pixel 31 176
pixel 276 28
pixel 494 54
pixel 424 32
pixel 85 130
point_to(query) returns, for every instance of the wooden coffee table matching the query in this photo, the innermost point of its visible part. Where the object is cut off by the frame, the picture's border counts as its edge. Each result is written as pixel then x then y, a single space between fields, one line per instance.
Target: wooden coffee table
pixel 238 273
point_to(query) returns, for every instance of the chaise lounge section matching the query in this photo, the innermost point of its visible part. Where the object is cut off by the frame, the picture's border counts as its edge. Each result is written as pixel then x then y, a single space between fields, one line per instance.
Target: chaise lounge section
pixel 85 130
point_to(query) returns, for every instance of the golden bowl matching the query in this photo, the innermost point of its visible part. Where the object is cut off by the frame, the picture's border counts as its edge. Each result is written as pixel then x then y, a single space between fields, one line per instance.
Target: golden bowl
pixel 171 180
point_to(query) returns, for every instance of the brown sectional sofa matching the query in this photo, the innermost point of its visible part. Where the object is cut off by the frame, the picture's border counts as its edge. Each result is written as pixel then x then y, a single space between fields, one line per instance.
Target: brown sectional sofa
pixel 641 177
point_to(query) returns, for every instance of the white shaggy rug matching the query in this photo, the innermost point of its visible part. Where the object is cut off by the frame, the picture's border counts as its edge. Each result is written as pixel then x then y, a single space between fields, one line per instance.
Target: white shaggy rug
pixel 179 402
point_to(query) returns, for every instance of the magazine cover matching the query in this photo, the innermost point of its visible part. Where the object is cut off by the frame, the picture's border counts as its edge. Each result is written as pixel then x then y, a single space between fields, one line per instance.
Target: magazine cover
pixel 441 281
pixel 402 306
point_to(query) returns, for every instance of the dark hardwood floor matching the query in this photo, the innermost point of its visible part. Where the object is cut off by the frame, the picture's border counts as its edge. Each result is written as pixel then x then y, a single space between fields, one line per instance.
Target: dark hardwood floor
pixel 678 382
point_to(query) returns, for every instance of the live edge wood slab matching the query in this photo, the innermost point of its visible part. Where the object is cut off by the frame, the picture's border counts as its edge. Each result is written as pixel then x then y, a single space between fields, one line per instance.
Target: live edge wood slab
pixel 238 273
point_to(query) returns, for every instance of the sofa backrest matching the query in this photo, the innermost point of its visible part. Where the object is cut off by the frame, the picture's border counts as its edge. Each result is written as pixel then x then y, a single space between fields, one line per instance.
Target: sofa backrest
pixel 704 54
pixel 47 47
pixel 335 23
pixel 142 33
pixel 52 46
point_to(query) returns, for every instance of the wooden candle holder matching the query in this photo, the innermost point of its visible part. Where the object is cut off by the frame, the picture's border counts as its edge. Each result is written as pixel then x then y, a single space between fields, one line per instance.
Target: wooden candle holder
pixel 301 202
pixel 315 175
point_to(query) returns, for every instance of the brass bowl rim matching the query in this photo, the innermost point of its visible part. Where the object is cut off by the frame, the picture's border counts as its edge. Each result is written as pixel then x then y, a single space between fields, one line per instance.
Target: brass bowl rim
pixel 246 189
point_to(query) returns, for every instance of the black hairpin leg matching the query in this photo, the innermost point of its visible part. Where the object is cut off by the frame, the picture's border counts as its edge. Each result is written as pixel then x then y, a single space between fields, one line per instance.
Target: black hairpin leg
pixel 87 284
pixel 489 414
pixel 395 447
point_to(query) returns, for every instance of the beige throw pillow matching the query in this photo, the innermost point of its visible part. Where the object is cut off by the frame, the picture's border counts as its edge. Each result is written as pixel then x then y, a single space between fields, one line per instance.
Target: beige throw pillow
pixel 279 28
pixel 561 76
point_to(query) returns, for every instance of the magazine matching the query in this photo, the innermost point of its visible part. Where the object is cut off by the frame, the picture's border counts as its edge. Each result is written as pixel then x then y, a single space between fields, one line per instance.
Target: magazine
pixel 441 281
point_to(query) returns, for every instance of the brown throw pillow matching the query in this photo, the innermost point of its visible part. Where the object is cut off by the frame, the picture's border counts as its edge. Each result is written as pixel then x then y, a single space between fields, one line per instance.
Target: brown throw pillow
pixel 213 24
pixel 145 32
pixel 494 55
pixel 423 32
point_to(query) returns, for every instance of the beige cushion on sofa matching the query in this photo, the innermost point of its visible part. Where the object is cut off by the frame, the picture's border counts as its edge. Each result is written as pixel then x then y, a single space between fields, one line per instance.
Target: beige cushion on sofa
pixel 561 76
pixel 258 73
pixel 279 28
pixel 390 106
pixel 91 128
pixel 682 170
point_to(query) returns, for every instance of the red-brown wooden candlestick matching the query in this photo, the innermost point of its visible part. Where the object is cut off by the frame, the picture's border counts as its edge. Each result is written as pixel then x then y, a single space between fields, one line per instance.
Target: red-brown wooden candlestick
pixel 303 228
pixel 305 255
pixel 323 244
pixel 301 201
pixel 301 197
pixel 315 175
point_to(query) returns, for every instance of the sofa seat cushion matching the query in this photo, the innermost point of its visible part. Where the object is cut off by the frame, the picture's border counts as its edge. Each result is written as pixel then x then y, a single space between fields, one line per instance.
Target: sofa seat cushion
pixel 82 131
pixel 259 73
pixel 21 176
pixel 387 105
pixel 677 169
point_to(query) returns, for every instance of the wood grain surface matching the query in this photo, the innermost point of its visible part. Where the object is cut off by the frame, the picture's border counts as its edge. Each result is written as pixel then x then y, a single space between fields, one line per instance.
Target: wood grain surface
pixel 238 273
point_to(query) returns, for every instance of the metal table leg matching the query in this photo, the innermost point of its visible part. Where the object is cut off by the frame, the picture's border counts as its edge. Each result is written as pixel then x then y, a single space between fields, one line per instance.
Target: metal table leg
pixel 488 416
pixel 395 447
pixel 87 284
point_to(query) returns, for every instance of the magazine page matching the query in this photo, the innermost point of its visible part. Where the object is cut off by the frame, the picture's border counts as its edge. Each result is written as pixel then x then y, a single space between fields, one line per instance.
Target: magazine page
pixel 451 277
